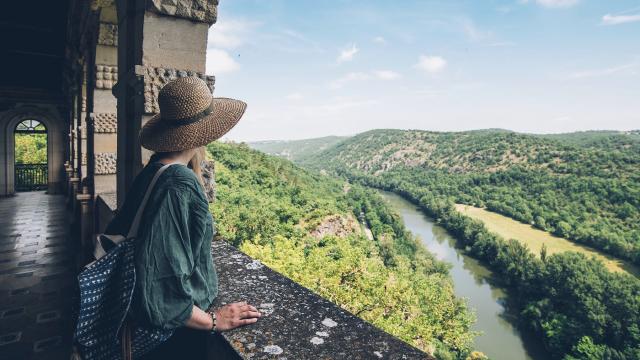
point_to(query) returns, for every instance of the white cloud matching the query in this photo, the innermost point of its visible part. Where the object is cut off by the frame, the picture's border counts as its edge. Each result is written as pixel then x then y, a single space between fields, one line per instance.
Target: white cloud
pixel 338 105
pixel 350 77
pixel 557 3
pixel 219 61
pixel 230 33
pixel 386 74
pixel 379 40
pixel 473 32
pixel 431 64
pixel 554 3
pixel 501 44
pixel 619 19
pixel 602 72
pixel 361 76
pixel 294 96
pixel 348 54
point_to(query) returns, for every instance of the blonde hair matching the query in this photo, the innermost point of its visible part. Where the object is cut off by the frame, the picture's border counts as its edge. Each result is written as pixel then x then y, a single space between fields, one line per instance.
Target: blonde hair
pixel 196 163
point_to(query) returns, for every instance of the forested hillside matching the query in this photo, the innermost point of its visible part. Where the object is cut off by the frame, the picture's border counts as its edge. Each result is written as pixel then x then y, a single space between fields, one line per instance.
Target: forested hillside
pixel 582 187
pixel 310 228
pixel 605 139
pixel 585 191
pixel 296 149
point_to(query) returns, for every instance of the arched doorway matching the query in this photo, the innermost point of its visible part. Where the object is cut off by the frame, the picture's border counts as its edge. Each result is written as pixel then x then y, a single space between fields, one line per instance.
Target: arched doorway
pixel 49 121
pixel 31 156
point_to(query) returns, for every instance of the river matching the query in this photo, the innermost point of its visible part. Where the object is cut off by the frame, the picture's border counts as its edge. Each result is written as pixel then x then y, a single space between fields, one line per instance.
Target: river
pixel 500 339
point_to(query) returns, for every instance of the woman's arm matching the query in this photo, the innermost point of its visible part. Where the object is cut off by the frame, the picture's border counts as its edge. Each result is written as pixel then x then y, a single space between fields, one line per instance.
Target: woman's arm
pixel 228 317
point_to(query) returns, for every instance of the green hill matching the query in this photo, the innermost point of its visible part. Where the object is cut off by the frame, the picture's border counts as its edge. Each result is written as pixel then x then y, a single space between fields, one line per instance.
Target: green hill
pixel 581 187
pixel 575 186
pixel 296 149
pixel 341 241
pixel 606 139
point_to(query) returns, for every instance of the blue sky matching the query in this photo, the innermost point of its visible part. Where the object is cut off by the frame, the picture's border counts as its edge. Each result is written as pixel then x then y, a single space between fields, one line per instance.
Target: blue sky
pixel 338 67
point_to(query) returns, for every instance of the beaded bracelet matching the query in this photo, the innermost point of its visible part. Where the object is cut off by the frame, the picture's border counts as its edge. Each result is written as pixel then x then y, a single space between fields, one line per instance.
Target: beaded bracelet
pixel 213 321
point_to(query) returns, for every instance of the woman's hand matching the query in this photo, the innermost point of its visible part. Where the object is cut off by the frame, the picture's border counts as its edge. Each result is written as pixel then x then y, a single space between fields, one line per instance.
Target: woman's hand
pixel 234 315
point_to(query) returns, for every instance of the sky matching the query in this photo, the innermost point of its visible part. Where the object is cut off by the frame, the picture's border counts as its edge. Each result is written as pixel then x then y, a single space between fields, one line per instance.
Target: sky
pixel 310 68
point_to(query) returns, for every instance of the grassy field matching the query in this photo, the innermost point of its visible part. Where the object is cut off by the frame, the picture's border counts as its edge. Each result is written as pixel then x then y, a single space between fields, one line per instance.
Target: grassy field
pixel 534 238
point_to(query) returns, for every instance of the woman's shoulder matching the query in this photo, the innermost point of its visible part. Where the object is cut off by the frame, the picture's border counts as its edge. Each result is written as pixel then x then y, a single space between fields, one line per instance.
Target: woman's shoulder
pixel 178 173
pixel 180 177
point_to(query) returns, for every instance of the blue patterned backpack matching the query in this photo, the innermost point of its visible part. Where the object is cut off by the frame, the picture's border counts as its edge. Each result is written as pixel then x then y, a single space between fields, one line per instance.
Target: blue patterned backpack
pixel 106 287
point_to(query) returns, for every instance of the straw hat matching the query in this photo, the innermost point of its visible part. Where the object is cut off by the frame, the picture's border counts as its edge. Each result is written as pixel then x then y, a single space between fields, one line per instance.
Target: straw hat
pixel 189 117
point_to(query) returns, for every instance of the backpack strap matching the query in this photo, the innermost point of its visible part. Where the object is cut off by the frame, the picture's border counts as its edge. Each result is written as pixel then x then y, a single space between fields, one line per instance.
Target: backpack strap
pixel 99 251
pixel 133 230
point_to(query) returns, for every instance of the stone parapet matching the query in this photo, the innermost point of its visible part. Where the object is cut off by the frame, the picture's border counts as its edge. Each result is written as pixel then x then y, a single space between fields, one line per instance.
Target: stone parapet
pixel 296 323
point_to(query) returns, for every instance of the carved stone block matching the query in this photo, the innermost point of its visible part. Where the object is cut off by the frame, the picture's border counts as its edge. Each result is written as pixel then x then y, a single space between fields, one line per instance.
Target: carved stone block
pixel 197 10
pixel 106 123
pixel 108 34
pixel 106 76
pixel 105 163
pixel 156 78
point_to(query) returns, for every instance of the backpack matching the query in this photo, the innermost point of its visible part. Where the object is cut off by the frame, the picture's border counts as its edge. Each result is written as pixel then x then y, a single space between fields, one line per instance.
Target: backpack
pixel 106 288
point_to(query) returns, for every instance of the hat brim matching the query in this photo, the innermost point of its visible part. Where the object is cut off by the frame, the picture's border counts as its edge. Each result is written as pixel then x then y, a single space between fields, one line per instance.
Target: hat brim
pixel 161 136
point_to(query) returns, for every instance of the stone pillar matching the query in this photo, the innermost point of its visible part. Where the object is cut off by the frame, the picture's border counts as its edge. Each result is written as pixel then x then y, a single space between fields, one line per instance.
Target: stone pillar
pixel 75 182
pixel 104 104
pixel 159 40
pixel 86 223
pixel 80 104
pixel 84 113
pixel 68 171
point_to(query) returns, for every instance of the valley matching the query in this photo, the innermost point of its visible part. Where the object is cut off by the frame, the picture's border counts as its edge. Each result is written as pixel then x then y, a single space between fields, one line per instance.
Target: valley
pixel 500 337
pixel 579 193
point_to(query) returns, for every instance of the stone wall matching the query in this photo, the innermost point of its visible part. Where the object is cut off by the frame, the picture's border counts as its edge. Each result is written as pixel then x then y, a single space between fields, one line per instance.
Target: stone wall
pixel 295 323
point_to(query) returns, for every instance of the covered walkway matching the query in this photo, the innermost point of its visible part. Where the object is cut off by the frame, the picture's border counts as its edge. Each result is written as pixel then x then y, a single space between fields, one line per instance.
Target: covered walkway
pixel 37 277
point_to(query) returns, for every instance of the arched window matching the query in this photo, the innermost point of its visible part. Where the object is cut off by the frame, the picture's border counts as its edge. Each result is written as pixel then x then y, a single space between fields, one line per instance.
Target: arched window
pixel 31 126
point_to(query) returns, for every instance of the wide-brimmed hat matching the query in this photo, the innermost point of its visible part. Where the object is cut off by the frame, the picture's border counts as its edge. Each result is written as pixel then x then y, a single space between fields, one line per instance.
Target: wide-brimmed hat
pixel 189 117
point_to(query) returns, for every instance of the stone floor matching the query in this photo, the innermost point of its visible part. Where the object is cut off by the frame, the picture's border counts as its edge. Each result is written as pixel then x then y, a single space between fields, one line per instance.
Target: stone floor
pixel 37 277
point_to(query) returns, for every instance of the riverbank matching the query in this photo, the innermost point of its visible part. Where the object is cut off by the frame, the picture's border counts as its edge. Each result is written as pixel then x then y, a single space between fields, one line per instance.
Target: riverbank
pixel 535 239
pixel 571 302
pixel 502 337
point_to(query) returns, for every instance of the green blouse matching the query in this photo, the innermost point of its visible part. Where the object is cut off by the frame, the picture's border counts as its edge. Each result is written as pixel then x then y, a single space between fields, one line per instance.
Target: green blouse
pixel 174 266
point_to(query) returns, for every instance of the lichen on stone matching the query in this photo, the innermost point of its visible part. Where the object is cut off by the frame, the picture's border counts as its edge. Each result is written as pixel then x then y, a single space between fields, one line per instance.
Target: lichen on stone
pixel 329 323
pixel 254 265
pixel 273 349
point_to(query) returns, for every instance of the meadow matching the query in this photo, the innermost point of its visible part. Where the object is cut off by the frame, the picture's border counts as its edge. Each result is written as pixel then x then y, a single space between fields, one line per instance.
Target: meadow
pixel 535 239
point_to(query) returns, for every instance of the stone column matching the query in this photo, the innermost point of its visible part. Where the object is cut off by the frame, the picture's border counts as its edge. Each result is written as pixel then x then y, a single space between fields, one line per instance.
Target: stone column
pixel 68 169
pixel 86 223
pixel 80 104
pixel 84 113
pixel 159 40
pixel 104 104
pixel 75 182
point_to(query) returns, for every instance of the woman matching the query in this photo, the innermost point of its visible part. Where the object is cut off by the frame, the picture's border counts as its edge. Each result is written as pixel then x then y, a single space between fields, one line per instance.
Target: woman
pixel 176 280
